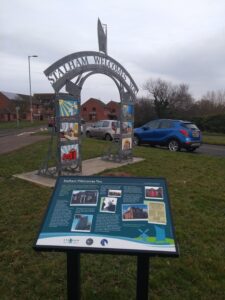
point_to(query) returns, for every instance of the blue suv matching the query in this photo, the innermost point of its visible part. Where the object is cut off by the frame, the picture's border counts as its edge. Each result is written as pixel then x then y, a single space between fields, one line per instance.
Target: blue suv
pixel 175 134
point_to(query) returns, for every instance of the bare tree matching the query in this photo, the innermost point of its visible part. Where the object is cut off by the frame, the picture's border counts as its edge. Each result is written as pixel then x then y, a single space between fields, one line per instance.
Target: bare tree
pixel 212 103
pixel 181 102
pixel 143 112
pixel 169 100
pixel 161 92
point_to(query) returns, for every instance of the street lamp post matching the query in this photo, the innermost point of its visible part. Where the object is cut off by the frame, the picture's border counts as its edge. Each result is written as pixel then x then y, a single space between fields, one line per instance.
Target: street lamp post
pixel 31 104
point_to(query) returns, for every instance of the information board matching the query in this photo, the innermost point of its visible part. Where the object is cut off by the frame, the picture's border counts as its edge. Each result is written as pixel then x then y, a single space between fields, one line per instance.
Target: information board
pixel 107 214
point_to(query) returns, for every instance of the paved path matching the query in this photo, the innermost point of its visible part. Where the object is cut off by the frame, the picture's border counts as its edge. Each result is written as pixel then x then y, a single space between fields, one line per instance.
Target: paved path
pixel 89 167
pixel 15 139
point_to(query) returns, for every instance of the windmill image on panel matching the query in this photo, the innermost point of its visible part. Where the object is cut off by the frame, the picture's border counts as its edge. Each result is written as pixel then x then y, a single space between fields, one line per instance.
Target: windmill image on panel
pixel 143 234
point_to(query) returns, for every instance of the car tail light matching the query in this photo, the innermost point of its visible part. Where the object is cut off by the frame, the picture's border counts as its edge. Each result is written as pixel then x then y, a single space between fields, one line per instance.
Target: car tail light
pixel 184 132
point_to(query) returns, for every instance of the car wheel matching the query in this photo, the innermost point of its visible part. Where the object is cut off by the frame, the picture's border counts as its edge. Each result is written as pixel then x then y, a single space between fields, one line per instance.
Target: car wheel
pixel 136 141
pixel 152 145
pixel 174 145
pixel 108 137
pixel 88 134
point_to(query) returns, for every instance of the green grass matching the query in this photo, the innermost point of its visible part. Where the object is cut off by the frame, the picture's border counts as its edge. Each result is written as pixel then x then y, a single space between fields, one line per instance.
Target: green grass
pixel 213 138
pixel 197 192
pixel 22 124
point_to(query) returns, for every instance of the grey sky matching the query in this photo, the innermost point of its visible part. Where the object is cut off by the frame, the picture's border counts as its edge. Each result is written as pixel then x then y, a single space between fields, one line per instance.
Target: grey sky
pixel 177 40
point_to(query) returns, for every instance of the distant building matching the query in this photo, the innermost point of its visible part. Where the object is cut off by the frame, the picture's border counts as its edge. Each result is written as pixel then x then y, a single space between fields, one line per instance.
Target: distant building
pixel 47 104
pixel 42 106
pixel 95 110
pixel 10 102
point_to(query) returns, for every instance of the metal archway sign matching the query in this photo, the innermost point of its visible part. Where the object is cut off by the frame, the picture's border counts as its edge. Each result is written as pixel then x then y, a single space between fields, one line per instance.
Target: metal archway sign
pixel 79 63
pixel 71 72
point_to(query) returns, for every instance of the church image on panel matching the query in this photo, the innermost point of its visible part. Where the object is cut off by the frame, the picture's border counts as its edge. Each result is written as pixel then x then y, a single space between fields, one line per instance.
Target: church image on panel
pixel 83 223
pixel 135 213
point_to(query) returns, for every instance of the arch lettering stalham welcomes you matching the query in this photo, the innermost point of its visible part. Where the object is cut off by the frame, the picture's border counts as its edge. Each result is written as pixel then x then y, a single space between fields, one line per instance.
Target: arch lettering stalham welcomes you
pixel 70 73
pixel 77 64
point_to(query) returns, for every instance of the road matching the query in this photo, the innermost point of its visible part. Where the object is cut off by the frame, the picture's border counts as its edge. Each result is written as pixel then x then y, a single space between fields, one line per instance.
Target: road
pixel 212 150
pixel 14 139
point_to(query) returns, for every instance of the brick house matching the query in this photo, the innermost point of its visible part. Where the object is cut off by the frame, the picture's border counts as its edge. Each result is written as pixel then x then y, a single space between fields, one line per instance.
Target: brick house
pixel 46 104
pixel 42 106
pixel 94 110
pixel 10 103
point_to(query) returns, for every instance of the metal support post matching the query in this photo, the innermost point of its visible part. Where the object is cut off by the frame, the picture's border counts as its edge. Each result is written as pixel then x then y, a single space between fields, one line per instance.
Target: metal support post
pixel 142 277
pixel 73 276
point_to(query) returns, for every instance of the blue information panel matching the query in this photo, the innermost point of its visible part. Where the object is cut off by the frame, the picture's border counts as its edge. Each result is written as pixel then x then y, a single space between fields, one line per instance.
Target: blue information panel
pixel 107 214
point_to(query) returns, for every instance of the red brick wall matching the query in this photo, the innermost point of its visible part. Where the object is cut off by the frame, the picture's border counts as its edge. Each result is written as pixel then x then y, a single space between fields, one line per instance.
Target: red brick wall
pixel 113 110
pixel 94 110
pixel 4 102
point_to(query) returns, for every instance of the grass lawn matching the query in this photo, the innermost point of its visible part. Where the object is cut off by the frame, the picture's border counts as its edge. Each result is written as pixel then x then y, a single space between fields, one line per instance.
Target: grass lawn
pixel 197 192
pixel 213 138
pixel 22 124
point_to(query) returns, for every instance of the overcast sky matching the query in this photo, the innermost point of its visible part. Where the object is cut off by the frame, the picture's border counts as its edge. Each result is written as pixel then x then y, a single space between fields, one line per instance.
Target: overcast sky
pixel 182 41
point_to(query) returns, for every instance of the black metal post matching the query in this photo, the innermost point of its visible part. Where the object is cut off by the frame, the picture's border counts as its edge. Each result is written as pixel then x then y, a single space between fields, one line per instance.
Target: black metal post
pixel 73 276
pixel 142 277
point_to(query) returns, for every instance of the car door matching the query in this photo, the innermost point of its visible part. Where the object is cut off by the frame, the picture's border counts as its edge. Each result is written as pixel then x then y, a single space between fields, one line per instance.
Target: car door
pixel 149 131
pixel 164 130
pixel 103 129
pixel 95 129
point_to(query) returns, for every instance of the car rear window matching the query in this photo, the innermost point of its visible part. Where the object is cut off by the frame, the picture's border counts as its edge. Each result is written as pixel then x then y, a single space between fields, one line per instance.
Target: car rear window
pixel 116 124
pixel 190 126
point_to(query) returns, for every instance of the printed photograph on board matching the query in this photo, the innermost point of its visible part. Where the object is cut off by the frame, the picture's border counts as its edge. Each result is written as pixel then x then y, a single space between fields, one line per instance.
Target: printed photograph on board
pixel 135 212
pixel 69 153
pixel 68 108
pixel 108 204
pixel 157 212
pixel 68 131
pixel 128 111
pixel 127 127
pixel 152 192
pixel 115 193
pixel 84 197
pixel 126 144
pixel 82 222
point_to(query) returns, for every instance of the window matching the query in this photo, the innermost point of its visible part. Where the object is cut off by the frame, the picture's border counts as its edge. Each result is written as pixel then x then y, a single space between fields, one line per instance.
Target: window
pixel 166 124
pixel 190 126
pixel 153 124
pixel 93 108
pixel 84 109
pixel 105 124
